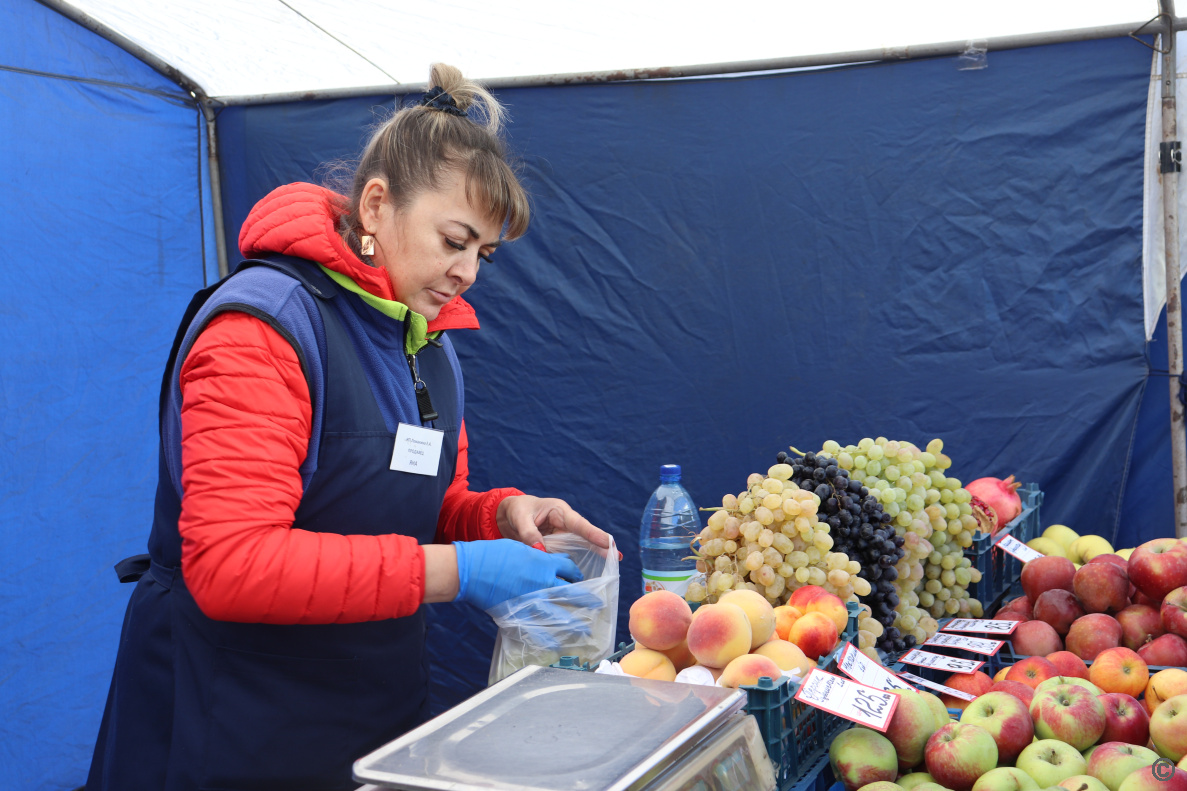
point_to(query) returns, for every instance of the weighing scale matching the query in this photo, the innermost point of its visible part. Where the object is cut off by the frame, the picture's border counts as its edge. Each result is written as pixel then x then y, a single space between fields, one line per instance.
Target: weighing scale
pixel 548 729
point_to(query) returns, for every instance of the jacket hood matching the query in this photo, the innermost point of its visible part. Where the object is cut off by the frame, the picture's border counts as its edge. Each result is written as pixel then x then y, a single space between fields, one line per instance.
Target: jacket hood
pixel 301 220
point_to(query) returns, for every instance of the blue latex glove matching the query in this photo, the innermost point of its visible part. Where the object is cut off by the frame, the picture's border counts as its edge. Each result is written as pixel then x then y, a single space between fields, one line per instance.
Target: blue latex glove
pixel 491 572
pixel 548 617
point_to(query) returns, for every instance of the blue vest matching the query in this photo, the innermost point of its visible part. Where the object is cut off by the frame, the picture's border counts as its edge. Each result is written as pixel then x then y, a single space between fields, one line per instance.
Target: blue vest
pixel 196 703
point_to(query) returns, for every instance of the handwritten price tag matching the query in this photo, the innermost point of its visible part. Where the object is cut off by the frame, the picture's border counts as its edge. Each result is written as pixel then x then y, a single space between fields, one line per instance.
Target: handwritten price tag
pixel 860 667
pixel 849 699
pixel 940 662
pixel 976 644
pixel 980 625
pixel 1013 546
pixel 923 682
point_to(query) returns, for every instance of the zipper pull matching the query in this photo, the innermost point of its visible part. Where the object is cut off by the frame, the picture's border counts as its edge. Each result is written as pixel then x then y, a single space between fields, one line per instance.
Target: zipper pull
pixel 424 404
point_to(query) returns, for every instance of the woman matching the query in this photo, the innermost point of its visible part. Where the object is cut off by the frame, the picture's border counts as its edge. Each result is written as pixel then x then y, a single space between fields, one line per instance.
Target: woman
pixel 313 476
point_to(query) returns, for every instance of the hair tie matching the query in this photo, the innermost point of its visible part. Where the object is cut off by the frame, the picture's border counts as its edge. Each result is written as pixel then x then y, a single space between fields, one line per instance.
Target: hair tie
pixel 438 99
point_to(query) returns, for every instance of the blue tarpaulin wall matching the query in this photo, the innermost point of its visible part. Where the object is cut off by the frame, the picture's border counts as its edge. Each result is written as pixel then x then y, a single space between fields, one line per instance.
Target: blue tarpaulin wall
pixel 717 269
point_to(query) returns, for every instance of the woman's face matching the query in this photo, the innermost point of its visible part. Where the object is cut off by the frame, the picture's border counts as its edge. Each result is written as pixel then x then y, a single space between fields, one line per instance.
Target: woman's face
pixel 430 249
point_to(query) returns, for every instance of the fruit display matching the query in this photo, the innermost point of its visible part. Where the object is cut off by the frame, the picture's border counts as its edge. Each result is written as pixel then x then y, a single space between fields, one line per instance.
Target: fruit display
pixel 740 638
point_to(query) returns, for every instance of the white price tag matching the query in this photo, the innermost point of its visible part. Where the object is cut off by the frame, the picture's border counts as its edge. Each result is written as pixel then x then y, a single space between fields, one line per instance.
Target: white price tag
pixel 976 644
pixel 417 450
pixel 940 662
pixel 980 625
pixel 1013 546
pixel 923 682
pixel 860 667
pixel 857 702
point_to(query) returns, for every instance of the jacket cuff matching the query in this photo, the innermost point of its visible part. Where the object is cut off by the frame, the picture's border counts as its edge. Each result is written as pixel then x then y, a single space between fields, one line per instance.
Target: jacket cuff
pixel 489 509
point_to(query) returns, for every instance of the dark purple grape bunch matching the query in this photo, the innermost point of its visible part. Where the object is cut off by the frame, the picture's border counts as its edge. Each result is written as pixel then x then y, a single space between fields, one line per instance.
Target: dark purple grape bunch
pixel 863 531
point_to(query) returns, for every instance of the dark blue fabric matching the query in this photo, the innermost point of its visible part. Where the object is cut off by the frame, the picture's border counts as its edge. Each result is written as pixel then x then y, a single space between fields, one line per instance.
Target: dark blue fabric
pixel 102 230
pixel 720 268
pixel 197 703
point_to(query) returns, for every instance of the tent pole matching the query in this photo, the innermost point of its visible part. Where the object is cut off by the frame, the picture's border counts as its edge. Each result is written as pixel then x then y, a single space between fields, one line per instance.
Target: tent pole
pixel 1168 172
pixel 216 185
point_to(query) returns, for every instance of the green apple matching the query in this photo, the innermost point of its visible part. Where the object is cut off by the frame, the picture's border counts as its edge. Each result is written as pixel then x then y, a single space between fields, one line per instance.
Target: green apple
pixel 881 785
pixel 1079 682
pixel 1005 778
pixel 1083 783
pixel 937 707
pixel 1112 762
pixel 1069 713
pixel 909 729
pixel 915 778
pixel 860 756
pixel 1050 761
pixel 957 754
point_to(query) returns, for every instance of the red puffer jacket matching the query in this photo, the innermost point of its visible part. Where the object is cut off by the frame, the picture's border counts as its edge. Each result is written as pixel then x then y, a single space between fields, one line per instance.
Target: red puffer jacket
pixel 245 422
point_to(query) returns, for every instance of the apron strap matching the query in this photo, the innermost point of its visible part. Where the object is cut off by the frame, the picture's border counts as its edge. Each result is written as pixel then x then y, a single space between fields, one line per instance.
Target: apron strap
pixel 133 568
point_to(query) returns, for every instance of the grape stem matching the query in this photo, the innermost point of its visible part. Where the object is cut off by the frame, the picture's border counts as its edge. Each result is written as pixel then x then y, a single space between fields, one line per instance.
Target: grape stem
pixel 712 508
pixel 794 449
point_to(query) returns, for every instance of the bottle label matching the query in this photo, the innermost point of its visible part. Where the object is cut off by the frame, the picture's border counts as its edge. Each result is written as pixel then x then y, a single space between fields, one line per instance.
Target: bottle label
pixel 674 581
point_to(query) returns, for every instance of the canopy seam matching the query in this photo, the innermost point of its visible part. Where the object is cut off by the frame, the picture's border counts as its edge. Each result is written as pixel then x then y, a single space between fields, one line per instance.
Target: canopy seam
pixel 181 98
pixel 340 41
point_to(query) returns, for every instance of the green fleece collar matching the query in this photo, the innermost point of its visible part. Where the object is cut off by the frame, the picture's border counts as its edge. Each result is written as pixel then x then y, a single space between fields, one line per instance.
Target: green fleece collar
pixel 417 328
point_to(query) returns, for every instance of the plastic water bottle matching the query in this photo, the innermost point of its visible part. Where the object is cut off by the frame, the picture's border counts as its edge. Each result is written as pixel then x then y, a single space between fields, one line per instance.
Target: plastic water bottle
pixel 670 522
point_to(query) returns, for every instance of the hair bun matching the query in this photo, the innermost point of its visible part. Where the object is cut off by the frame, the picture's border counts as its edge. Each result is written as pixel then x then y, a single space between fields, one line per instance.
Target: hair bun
pixel 470 97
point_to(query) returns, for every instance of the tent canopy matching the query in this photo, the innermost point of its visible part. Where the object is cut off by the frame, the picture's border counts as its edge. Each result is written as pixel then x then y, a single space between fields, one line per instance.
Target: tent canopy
pixel 320 45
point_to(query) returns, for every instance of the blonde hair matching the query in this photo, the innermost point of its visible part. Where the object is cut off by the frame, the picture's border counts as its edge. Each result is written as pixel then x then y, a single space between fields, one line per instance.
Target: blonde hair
pixel 414 148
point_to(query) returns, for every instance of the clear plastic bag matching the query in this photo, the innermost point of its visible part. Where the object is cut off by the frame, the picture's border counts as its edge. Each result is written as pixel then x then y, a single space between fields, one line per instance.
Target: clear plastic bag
pixel 569 620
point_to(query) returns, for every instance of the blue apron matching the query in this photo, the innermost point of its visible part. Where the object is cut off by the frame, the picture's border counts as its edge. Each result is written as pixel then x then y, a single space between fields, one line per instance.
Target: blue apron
pixel 196 703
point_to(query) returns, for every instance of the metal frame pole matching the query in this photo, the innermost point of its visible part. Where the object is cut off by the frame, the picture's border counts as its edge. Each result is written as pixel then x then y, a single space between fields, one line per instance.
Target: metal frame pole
pixel 1169 174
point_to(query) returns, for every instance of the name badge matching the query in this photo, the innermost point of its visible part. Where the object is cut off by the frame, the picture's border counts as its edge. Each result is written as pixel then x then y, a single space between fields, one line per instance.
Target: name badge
pixel 418 449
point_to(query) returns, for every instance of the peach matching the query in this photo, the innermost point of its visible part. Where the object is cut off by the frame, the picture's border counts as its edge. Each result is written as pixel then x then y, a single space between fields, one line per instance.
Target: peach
pixel 1035 638
pixel 802 597
pixel 787 656
pixel 1068 664
pixel 758 610
pixel 832 606
pixel 1165 684
pixel 719 633
pixel 659 620
pixel 680 656
pixel 747 669
pixel 1092 634
pixel 815 634
pixel 645 663
pixel 1119 670
pixel 785 616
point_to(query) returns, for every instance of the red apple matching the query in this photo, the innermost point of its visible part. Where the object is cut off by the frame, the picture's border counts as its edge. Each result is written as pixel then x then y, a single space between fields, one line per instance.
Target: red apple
pixel 1113 760
pixel 1140 623
pixel 1170 650
pixel 1119 670
pixel 957 754
pixel 1068 713
pixel 1101 587
pixel 973 683
pixel 1141 598
pixel 860 756
pixel 1174 612
pixel 1092 634
pixel 1045 573
pixel 1032 671
pixel 1022 604
pixel 1058 608
pixel 909 729
pixel 1011 615
pixel 1035 638
pixel 1116 560
pixel 1006 719
pixel 1015 688
pixel 1158 567
pixel 1147 779
pixel 1068 664
pixel 1126 720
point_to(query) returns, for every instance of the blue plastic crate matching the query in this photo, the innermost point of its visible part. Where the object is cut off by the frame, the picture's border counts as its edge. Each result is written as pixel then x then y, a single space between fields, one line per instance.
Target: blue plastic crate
pixel 796 735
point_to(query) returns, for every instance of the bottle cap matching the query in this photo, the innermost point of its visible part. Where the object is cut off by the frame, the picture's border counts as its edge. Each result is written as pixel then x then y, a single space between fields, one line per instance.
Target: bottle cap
pixel 669 472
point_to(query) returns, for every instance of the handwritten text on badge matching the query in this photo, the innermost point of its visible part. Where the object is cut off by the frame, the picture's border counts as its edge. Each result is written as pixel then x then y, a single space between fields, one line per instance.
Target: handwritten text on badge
pixel 857 702
pixel 417 450
pixel 860 667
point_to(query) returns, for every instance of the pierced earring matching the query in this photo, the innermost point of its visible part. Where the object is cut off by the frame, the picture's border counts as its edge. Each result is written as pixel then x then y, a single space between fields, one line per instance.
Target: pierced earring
pixel 367 245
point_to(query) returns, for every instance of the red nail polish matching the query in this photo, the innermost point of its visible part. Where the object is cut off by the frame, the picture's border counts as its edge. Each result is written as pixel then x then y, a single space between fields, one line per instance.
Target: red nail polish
pixel 540 546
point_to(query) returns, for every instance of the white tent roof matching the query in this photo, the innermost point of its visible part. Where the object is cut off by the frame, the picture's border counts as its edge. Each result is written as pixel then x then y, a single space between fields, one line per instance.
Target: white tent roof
pixel 251 47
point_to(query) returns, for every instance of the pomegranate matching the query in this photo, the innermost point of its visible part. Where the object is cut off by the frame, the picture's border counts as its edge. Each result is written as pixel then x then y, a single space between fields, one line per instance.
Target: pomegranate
pixel 1000 496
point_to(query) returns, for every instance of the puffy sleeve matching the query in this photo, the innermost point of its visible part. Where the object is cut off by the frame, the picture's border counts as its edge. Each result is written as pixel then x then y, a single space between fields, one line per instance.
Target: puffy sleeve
pixel 467 515
pixel 245 425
